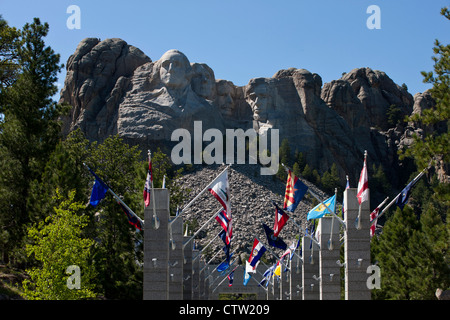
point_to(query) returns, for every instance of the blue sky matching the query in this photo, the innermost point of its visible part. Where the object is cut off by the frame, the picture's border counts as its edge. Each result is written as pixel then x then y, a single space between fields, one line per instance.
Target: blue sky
pixel 246 39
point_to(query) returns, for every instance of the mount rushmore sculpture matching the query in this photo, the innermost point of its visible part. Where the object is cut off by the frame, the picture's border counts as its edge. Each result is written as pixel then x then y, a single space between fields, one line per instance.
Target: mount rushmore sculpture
pixel 114 88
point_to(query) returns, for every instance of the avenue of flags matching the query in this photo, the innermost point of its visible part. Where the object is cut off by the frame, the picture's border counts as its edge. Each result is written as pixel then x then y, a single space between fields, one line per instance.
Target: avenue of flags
pixel 295 191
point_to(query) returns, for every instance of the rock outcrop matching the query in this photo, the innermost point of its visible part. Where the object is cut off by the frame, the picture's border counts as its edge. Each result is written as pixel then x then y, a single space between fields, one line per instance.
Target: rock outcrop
pixel 114 88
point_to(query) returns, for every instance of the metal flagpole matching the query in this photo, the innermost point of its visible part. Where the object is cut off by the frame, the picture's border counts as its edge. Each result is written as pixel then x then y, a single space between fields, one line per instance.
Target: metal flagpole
pixel 395 199
pixel 201 228
pixel 201 192
pixel 304 232
pixel 204 189
pixel 379 207
pixel 330 240
pixel 224 278
pixel 231 264
pixel 255 279
pixel 273 253
pixel 358 219
pixel 318 199
pixel 155 219
pixel 120 200
pixel 200 253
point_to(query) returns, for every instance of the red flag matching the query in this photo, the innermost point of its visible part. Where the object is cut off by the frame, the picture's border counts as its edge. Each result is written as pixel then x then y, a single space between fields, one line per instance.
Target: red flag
pixel 363 184
pixel 373 215
pixel 148 184
pixel 281 218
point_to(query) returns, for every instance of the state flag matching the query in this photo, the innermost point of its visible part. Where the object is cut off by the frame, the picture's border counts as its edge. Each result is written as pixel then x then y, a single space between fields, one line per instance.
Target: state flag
pixel 295 190
pixel 276 242
pixel 281 218
pixel 98 190
pixel 256 254
pixel 223 220
pixel 321 209
pixel 131 218
pixel 221 191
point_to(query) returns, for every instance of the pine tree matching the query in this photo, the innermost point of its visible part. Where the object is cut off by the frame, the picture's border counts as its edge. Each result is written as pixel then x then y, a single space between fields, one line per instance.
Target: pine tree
pixel 9 38
pixel 391 251
pixel 433 148
pixel 29 129
pixel 427 259
pixel 118 165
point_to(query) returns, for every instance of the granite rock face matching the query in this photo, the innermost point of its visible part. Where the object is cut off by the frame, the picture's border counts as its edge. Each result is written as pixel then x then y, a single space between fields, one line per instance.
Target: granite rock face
pixel 97 75
pixel 114 88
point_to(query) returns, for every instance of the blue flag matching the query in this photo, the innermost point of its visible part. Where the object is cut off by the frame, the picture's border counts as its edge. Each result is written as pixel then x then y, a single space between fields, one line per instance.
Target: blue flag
pixel 98 190
pixel 320 210
pixel 402 200
pixel 226 248
pixel 276 242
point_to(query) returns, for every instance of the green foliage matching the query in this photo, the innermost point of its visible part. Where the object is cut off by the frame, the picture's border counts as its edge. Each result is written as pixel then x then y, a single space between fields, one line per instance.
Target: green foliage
pixel 9 38
pixel 57 243
pixel 118 165
pixel 434 146
pixel 394 115
pixel 330 180
pixel 412 255
pixel 29 126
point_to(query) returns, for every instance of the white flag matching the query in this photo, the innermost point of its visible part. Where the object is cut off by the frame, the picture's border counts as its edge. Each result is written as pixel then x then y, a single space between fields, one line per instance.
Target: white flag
pixel 221 191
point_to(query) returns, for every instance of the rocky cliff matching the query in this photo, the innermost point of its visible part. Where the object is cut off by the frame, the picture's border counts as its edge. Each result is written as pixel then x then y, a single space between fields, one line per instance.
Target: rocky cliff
pixel 114 88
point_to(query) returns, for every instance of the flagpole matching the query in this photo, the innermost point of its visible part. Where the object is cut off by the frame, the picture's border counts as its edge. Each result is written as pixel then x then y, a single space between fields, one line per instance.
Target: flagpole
pixel 358 219
pixel 200 253
pixel 198 195
pixel 204 189
pixel 330 240
pixel 120 200
pixel 201 228
pixel 155 218
pixel 395 199
pixel 379 207
pixel 273 253
pixel 232 263
pixel 328 209
pixel 256 280
pixel 304 232
pixel 226 277
pixel 317 198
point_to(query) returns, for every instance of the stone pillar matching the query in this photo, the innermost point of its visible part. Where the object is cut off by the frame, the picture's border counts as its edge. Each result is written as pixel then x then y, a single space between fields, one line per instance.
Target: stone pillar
pixel 296 277
pixel 202 274
pixel 176 260
pixel 156 248
pixel 356 247
pixel 330 287
pixel 187 270
pixel 310 269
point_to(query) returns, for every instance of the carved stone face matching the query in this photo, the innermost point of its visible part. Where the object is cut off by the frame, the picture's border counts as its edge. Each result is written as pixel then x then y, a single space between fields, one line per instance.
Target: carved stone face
pixel 175 69
pixel 203 81
pixel 260 101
